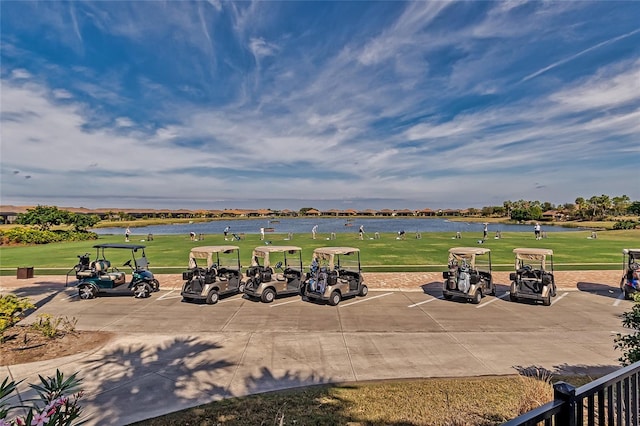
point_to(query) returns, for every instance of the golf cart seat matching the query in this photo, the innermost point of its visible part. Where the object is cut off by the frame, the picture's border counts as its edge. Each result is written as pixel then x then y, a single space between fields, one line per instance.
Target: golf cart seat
pixel 291 273
pixel 101 266
pixel 86 273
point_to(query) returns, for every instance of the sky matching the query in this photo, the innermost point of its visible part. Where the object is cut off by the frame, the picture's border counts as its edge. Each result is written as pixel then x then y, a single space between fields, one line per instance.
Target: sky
pixel 332 104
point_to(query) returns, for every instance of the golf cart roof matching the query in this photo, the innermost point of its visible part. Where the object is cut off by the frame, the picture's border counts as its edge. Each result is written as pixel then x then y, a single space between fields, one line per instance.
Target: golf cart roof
pixel 206 252
pixel 633 252
pixel 468 254
pixel 275 249
pixel 532 253
pixel 468 250
pixel 328 254
pixel 120 246
pixel 262 252
pixel 202 252
pixel 537 254
pixel 335 250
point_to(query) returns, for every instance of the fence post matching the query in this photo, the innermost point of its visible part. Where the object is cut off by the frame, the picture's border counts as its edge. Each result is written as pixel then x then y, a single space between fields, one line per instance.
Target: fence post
pixel 565 392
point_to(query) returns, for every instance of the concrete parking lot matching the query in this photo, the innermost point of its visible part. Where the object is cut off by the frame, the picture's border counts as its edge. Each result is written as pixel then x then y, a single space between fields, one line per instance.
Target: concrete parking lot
pixel 169 354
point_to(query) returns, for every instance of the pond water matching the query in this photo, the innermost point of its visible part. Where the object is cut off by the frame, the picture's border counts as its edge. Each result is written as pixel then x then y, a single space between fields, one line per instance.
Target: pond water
pixel 328 225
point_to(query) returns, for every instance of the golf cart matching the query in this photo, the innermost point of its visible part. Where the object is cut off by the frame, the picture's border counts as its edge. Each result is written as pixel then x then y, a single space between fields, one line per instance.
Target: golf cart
pixel 264 283
pixel 469 275
pixel 630 282
pixel 213 271
pixel 335 273
pixel 532 280
pixel 99 275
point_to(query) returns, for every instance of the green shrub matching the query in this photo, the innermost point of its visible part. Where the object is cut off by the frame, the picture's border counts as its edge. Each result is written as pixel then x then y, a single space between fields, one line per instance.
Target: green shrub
pixel 24 235
pixel 625 224
pixel 11 309
pixel 51 326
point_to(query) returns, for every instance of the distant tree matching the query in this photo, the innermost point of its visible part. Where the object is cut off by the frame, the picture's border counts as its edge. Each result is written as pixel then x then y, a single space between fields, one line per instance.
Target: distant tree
pixel 520 214
pixel 546 206
pixel 620 204
pixel 598 206
pixel 508 205
pixel 487 211
pixel 304 210
pixel 43 217
pixel 634 208
pixel 535 212
pixel 81 222
pixel 499 210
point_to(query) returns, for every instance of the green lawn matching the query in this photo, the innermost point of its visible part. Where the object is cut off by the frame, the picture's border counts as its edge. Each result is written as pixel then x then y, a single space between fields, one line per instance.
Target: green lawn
pixel 169 253
pixel 479 401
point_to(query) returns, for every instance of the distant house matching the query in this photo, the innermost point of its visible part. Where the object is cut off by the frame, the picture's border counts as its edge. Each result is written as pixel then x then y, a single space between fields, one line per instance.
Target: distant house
pixel 313 212
pixel 553 215
pixel 404 213
pixel 426 212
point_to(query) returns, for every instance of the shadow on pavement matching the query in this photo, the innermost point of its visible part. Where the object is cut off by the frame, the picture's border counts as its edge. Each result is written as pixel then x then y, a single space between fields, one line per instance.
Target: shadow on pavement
pixel 433 288
pixel 599 289
pixel 605 290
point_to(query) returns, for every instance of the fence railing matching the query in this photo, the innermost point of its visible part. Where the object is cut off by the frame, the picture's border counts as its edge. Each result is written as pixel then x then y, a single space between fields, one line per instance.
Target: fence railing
pixel 611 400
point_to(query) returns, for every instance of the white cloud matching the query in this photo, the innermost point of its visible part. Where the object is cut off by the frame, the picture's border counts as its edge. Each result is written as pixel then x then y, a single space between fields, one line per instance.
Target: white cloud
pixel 20 73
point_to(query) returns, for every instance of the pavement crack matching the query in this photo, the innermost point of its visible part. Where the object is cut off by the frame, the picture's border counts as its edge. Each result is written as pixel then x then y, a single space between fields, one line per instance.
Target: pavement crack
pixel 346 346
pixel 235 371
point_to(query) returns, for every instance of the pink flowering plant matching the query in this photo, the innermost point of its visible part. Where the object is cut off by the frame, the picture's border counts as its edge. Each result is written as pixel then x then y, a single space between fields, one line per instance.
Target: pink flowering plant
pixel 56 404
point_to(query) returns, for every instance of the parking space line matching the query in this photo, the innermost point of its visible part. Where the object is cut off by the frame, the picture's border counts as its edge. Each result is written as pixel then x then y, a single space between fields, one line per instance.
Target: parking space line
pixel 285 303
pixel 231 299
pixel 618 299
pixel 425 301
pixel 559 298
pixel 165 296
pixel 365 299
pixel 492 300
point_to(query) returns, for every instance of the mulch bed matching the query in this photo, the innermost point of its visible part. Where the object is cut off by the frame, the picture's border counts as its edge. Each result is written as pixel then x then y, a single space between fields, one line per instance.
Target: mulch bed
pixel 22 345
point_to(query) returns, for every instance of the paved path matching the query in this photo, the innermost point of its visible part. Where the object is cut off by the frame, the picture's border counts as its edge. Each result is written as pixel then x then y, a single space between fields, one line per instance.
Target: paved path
pixel 170 355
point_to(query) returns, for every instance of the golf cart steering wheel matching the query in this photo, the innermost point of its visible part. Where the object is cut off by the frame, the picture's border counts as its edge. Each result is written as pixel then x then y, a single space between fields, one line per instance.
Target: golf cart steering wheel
pixel 279 276
pixel 127 263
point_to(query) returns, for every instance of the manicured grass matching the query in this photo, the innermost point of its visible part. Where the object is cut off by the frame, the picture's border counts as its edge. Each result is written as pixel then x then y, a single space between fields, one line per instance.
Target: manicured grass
pixel 169 253
pixel 464 401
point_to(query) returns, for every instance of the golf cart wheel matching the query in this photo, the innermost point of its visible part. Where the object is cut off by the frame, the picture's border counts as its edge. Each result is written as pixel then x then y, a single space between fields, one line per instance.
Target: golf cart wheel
pixel 212 297
pixel 241 287
pixel 268 295
pixel 86 291
pixel 546 301
pixel 627 295
pixel 447 296
pixel 477 298
pixel 142 291
pixel 155 285
pixel 364 291
pixel 553 291
pixel 335 298
pixel 513 297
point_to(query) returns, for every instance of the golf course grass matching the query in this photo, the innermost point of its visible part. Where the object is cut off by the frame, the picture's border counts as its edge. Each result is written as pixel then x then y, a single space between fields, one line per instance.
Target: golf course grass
pixel 573 250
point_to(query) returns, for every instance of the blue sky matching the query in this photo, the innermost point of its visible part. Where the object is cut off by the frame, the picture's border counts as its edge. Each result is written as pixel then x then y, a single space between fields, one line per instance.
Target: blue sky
pixel 296 104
